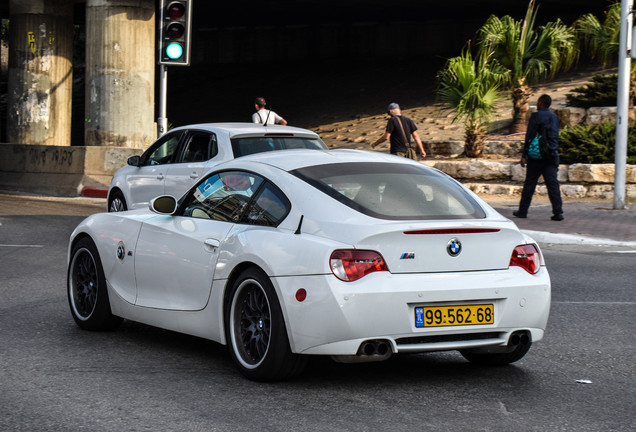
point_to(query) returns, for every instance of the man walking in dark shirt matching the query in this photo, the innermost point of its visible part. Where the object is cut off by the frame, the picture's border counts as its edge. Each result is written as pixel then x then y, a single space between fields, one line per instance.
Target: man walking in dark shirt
pixel 542 158
pixel 399 130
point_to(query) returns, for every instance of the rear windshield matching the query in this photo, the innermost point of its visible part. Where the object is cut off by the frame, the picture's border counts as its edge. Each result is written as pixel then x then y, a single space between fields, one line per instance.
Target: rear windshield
pixel 250 145
pixel 393 191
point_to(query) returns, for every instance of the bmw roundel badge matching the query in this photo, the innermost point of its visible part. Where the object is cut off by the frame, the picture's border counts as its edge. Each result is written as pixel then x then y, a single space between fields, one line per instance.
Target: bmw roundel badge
pixel 121 251
pixel 454 247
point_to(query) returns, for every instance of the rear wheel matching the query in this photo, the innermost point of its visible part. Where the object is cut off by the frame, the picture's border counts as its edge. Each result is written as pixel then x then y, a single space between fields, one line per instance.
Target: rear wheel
pixel 117 202
pixel 256 332
pixel 87 293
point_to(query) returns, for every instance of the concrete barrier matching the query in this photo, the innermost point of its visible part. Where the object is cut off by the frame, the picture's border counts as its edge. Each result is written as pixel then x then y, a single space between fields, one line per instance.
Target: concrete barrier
pixel 59 171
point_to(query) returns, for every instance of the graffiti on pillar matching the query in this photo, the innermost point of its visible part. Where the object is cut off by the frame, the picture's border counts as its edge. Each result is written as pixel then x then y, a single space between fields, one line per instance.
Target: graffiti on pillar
pixel 50 157
pixel 31 41
pixel 30 107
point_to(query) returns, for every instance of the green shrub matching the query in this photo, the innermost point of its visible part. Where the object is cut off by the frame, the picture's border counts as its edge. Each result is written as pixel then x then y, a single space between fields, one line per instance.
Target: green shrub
pixel 593 144
pixel 600 92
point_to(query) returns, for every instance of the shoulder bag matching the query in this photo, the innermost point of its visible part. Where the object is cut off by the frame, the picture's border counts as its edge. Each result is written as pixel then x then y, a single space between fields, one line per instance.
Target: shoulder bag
pixel 410 151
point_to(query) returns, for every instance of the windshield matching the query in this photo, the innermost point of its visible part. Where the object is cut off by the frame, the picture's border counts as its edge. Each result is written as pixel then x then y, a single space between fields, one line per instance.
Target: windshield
pixel 259 144
pixel 393 191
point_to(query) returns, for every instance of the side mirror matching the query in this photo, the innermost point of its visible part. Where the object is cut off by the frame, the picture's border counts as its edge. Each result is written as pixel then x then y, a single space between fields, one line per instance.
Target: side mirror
pixel 134 161
pixel 164 205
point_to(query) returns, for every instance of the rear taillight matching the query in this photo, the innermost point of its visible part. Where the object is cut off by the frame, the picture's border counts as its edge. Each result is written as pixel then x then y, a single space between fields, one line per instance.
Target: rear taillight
pixel 351 265
pixel 527 257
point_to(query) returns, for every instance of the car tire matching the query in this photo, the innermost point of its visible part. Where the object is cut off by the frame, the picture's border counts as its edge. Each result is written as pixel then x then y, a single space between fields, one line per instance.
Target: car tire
pixel 87 293
pixel 256 333
pixel 497 359
pixel 117 202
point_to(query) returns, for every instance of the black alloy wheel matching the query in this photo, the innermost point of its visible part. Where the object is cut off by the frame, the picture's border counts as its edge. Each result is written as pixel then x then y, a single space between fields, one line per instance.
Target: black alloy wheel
pixel 87 293
pixel 256 331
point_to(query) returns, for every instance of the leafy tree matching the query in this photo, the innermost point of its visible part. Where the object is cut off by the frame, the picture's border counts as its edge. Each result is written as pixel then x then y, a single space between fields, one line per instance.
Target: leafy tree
pixel 530 54
pixel 470 88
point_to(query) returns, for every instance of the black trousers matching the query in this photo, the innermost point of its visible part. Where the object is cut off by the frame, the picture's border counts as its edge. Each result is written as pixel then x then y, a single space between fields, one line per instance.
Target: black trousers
pixel 549 170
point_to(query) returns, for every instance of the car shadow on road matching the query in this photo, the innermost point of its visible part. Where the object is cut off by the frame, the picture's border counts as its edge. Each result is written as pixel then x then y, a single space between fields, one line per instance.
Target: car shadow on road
pixel 150 345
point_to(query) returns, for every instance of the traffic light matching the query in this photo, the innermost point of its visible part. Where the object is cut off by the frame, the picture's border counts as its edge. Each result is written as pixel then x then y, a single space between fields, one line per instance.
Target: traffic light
pixel 174 32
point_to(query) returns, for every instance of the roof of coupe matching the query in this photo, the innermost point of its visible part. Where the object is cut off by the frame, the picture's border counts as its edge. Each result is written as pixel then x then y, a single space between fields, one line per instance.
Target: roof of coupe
pixel 290 160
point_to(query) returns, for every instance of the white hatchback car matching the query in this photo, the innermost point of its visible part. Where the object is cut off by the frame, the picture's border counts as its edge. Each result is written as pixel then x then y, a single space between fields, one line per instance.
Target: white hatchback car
pixel 179 158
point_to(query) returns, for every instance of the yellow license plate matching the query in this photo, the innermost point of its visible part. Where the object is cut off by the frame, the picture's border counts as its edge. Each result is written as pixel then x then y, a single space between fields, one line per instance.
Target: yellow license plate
pixel 455 315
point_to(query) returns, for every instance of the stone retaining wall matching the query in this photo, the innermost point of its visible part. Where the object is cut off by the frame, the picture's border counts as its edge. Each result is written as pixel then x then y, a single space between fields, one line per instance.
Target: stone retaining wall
pixel 454 148
pixel 572 116
pixel 506 177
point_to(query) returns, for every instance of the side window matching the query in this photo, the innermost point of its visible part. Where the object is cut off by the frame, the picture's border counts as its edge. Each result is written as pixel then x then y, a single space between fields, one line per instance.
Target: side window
pixel 163 152
pixel 269 208
pixel 199 147
pixel 223 196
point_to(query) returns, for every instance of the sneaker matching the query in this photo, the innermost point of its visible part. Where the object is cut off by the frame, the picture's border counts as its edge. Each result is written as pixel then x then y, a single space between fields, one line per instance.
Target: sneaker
pixel 519 215
pixel 557 217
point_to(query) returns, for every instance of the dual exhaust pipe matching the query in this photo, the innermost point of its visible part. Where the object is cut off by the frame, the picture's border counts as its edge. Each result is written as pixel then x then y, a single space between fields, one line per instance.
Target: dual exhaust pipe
pixel 519 338
pixel 369 351
pixel 380 348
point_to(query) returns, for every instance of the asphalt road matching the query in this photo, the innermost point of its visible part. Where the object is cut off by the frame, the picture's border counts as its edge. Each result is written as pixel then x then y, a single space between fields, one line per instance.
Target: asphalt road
pixel 56 377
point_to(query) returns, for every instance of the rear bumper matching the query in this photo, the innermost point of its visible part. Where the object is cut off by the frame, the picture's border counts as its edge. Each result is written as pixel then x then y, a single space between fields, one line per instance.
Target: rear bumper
pixel 337 317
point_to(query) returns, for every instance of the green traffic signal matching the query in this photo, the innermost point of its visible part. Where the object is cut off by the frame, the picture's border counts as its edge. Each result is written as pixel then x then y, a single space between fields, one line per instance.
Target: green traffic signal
pixel 174 32
pixel 174 51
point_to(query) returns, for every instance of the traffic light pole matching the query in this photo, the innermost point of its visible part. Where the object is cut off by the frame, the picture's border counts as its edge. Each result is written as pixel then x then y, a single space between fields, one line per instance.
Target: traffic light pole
pixel 162 121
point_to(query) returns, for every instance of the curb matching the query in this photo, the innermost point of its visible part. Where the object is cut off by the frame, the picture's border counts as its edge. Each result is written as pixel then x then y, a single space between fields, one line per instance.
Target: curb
pixel 91 192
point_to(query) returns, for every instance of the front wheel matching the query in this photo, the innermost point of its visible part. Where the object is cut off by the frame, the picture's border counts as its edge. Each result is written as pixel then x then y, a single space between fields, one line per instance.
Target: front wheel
pixel 256 332
pixel 87 293
pixel 117 202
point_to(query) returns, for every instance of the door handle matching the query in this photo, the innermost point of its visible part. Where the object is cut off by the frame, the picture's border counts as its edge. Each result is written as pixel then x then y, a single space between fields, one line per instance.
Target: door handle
pixel 160 177
pixel 212 244
pixel 194 175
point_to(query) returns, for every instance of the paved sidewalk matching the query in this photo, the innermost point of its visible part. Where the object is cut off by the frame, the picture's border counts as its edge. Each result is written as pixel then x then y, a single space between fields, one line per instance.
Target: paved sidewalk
pixel 595 220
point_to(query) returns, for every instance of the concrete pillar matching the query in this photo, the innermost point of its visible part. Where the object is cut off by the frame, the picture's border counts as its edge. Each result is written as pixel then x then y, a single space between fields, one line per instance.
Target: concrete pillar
pixel 120 73
pixel 40 72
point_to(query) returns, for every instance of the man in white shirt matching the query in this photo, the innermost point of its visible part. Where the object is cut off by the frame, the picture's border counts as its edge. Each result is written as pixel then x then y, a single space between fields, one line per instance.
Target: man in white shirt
pixel 263 116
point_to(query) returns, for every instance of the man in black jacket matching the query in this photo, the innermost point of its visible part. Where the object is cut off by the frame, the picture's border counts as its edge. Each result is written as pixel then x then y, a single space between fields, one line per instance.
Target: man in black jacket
pixel 543 124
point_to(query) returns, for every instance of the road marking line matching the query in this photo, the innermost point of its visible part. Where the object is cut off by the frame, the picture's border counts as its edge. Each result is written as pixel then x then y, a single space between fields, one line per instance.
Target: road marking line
pixel 622 252
pixel 22 246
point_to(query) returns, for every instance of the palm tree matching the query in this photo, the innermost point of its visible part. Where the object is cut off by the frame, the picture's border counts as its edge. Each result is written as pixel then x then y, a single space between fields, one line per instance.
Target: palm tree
pixel 471 89
pixel 600 39
pixel 530 54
